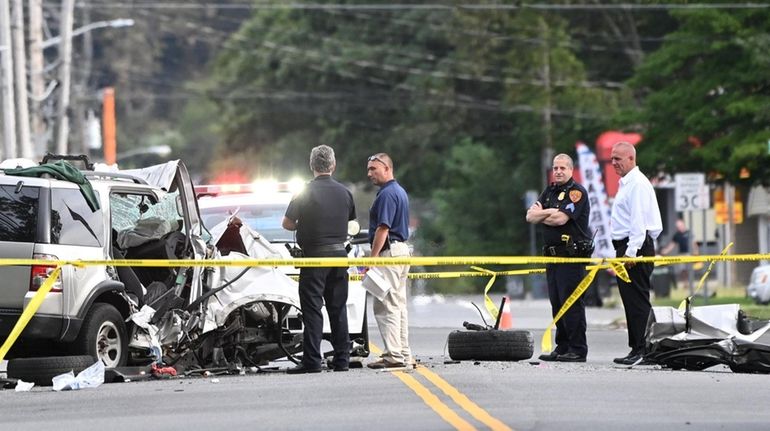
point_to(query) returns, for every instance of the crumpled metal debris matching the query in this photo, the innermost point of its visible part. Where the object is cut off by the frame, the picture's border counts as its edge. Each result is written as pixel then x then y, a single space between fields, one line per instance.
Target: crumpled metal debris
pixel 706 336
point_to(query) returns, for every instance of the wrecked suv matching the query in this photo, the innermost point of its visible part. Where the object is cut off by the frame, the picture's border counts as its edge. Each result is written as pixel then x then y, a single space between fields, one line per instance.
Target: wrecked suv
pixel 186 316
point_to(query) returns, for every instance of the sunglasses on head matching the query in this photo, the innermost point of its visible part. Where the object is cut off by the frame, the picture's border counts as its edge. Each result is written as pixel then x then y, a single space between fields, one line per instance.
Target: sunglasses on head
pixel 374 158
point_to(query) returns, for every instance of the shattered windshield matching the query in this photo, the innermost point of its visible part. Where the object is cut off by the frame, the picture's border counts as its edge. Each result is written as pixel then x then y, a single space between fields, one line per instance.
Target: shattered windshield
pixel 139 214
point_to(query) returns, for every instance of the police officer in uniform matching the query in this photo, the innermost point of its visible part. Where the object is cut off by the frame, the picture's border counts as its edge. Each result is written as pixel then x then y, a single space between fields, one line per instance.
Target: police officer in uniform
pixel 563 211
pixel 320 215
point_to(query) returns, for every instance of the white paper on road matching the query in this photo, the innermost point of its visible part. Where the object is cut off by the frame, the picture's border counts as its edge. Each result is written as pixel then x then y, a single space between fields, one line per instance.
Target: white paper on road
pixel 91 377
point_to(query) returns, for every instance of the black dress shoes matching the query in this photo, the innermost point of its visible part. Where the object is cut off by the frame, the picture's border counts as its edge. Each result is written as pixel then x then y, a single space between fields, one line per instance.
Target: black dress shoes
pixel 549 357
pixel 624 359
pixel 570 357
pixel 637 360
pixel 301 369
pixel 632 358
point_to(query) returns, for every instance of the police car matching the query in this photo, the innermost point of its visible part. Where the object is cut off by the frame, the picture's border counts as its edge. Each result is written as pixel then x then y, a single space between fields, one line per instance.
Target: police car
pixel 261 207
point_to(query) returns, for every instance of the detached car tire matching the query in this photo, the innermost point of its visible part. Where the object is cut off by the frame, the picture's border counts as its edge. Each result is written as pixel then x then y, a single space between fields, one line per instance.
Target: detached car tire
pixel 490 345
pixel 41 371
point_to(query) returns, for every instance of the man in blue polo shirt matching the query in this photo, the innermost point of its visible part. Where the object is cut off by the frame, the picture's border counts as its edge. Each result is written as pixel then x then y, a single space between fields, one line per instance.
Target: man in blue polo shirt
pixel 388 232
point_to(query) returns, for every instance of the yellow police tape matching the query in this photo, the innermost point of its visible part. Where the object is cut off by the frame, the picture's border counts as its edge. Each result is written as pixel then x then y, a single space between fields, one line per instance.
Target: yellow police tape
pixel 617 265
pixel 683 304
pixel 385 261
pixel 29 311
pixel 478 272
pixel 594 265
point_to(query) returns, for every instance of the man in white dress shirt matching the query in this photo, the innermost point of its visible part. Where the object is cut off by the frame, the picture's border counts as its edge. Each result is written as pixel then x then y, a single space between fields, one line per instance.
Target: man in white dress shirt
pixel 635 224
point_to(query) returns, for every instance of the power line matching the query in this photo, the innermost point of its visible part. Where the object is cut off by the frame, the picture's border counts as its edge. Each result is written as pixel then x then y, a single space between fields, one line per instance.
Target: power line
pixel 429 7
pixel 350 99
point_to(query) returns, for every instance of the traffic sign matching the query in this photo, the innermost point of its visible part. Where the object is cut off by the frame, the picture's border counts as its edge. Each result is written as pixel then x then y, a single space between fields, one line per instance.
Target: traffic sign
pixel 690 192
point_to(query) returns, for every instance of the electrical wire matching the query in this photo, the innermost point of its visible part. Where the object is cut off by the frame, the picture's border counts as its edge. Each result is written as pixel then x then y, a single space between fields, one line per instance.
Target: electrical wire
pixel 417 6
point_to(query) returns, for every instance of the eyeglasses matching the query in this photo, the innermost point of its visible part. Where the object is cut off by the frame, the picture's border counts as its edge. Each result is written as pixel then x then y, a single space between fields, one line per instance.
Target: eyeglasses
pixel 374 158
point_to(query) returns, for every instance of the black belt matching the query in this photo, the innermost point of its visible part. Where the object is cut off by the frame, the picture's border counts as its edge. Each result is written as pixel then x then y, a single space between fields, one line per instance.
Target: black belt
pixel 618 243
pixel 326 248
pixel 386 246
pixel 555 250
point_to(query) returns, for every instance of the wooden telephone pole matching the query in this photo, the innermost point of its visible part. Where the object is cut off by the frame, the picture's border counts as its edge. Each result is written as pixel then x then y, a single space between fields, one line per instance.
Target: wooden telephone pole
pixel 65 78
pixel 20 73
pixel 6 87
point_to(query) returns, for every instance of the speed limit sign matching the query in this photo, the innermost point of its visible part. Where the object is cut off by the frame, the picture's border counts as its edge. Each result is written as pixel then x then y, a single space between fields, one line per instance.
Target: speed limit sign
pixel 690 192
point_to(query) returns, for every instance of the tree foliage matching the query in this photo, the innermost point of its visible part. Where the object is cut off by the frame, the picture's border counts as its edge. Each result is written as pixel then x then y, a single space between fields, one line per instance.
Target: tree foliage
pixel 458 98
pixel 705 95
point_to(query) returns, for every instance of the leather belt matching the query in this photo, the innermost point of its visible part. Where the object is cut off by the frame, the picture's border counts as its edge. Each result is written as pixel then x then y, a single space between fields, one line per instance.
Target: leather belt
pixel 618 243
pixel 386 246
pixel 326 248
pixel 555 250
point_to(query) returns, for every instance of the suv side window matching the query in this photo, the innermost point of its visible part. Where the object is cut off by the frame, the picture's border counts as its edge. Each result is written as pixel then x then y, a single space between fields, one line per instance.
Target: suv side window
pixel 72 221
pixel 18 218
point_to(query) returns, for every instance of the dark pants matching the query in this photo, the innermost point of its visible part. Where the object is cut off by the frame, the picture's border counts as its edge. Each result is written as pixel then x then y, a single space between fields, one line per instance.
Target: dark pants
pixel 636 294
pixel 316 287
pixel 571 328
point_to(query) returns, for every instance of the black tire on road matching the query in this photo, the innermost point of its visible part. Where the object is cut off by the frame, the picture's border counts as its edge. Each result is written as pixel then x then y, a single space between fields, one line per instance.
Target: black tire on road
pixel 490 345
pixel 103 336
pixel 41 371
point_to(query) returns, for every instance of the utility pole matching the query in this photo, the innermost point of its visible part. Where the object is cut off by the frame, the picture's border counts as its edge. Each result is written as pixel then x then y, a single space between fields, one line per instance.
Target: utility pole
pixel 20 63
pixel 84 66
pixel 547 152
pixel 65 54
pixel 36 78
pixel 6 89
pixel 109 127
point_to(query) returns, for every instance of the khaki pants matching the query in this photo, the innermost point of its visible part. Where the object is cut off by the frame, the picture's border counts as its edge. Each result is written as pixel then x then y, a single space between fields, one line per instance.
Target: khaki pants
pixel 391 312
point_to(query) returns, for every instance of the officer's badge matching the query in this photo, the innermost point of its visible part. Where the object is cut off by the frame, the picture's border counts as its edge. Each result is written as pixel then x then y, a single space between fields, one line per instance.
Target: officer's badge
pixel 561 196
pixel 575 195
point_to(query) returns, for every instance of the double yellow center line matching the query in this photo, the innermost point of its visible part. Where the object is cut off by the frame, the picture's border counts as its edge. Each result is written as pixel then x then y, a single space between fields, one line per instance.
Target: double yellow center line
pixel 444 411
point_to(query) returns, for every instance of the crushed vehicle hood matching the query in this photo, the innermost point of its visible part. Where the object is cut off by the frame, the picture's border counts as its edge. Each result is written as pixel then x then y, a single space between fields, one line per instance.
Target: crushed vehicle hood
pixel 702 337
pixel 258 283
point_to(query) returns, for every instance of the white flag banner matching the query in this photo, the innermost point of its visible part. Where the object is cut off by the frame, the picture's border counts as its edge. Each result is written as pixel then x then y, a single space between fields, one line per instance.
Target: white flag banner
pixel 599 221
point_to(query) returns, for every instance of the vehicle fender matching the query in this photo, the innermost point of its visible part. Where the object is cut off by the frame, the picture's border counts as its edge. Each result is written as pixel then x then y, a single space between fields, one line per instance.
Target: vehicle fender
pixel 107 291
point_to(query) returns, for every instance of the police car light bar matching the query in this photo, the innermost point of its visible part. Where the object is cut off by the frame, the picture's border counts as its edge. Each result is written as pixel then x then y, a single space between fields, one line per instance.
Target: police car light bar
pixel 293 186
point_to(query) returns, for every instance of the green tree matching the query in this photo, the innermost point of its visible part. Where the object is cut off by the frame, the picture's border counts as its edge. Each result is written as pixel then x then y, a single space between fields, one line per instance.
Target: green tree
pixel 458 97
pixel 705 95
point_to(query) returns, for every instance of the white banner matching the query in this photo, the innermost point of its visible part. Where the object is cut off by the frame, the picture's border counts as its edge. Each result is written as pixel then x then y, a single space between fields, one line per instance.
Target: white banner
pixel 599 221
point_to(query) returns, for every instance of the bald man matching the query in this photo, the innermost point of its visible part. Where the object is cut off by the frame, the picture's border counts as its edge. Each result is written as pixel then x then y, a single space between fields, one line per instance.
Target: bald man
pixel 635 224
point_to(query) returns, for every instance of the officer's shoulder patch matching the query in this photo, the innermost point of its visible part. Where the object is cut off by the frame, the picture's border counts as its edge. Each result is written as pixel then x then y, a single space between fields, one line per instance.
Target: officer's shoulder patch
pixel 575 195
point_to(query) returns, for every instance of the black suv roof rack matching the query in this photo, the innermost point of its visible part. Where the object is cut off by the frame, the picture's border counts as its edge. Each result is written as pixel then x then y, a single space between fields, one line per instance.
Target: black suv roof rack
pixel 70 158
pixel 114 176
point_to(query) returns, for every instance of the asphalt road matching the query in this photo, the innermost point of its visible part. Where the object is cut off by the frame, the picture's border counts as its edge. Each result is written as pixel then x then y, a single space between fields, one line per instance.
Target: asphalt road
pixel 525 395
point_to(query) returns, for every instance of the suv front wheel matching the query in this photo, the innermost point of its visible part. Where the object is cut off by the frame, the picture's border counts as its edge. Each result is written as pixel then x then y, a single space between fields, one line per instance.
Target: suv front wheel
pixel 103 336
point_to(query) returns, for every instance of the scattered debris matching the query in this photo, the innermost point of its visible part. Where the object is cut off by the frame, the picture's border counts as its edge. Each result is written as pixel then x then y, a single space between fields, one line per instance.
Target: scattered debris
pixel 702 337
pixel 91 377
pixel 22 386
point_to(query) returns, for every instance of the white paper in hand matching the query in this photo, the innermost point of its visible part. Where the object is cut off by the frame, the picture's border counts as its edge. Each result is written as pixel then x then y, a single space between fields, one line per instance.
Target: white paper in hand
pixel 375 283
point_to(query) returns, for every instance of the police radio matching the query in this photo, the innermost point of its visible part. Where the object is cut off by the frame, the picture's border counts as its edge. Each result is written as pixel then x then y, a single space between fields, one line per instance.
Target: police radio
pixel 583 248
